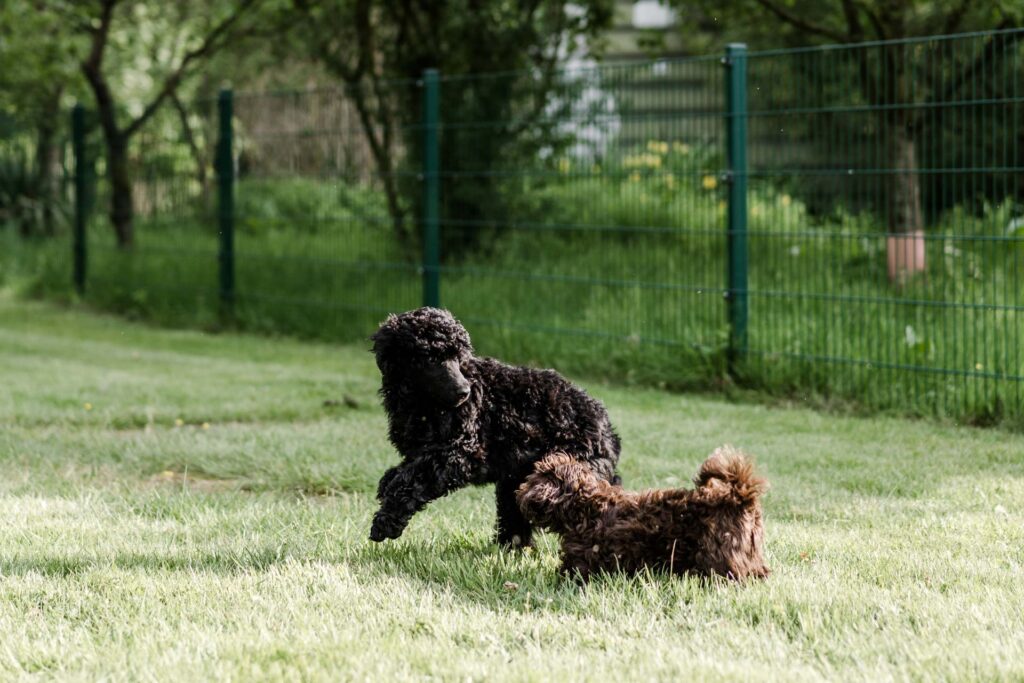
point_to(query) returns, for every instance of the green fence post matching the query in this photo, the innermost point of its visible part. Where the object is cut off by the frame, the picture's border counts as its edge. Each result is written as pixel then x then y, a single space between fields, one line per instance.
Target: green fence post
pixel 736 242
pixel 431 190
pixel 81 199
pixel 226 203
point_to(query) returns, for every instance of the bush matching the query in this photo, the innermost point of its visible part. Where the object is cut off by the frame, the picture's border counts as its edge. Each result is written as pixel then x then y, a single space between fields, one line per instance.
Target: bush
pixel 306 206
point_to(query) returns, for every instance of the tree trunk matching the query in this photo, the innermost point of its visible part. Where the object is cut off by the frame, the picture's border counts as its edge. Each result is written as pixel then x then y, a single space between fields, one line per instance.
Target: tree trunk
pixel 905 246
pixel 47 160
pixel 904 209
pixel 121 211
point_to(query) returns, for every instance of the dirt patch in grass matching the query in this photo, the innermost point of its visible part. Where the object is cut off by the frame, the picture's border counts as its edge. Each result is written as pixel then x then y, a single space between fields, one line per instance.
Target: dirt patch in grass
pixel 194 483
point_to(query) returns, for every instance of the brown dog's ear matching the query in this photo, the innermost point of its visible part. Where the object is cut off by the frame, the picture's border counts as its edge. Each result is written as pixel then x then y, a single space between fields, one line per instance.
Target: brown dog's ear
pixel 537 498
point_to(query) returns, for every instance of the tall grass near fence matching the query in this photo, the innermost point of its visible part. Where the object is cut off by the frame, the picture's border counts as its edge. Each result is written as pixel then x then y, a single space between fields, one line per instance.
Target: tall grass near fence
pixel 883 222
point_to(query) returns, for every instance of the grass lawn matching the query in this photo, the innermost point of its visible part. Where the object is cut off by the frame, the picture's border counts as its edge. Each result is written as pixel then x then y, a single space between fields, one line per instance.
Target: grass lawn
pixel 180 506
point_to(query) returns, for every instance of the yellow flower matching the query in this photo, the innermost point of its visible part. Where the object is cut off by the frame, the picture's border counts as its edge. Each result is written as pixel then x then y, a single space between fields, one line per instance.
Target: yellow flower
pixel 709 182
pixel 178 422
pixel 979 366
pixel 564 165
pixel 634 177
pixel 786 200
pixel 206 425
pixel 642 161
pixel 87 406
pixel 680 147
pixel 657 147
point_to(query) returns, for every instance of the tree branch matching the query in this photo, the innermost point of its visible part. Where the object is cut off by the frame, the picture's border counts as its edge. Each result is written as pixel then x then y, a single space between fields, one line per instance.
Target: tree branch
pixel 363 29
pixel 408 22
pixel 549 66
pixel 99 36
pixel 382 156
pixel 881 32
pixel 92 69
pixel 364 37
pixel 209 45
pixel 190 140
pixel 953 19
pixel 853 25
pixel 981 62
pixel 362 85
pixel 798 22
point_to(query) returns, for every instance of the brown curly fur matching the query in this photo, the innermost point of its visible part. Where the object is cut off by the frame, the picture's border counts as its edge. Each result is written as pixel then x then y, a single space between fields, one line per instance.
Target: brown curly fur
pixel 716 528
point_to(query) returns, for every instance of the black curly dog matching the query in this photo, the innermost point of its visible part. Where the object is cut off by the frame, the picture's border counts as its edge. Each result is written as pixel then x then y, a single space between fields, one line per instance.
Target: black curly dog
pixel 457 419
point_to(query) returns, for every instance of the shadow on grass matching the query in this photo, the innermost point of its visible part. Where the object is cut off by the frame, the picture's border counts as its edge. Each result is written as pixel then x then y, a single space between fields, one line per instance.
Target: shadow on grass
pixel 64 566
pixel 477 572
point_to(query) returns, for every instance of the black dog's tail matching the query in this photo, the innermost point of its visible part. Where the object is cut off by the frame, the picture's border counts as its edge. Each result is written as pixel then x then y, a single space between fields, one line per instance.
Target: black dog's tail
pixel 553 495
pixel 729 473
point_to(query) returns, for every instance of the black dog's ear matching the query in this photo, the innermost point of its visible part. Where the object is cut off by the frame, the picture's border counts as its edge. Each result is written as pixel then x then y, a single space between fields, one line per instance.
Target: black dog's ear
pixel 383 334
pixel 390 323
pixel 382 339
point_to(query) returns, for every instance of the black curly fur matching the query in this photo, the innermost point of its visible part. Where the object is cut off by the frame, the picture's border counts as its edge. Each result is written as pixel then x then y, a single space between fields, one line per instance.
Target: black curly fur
pixel 457 419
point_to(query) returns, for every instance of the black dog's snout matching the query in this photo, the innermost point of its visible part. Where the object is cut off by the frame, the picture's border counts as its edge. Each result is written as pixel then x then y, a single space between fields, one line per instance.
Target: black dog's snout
pixel 461 392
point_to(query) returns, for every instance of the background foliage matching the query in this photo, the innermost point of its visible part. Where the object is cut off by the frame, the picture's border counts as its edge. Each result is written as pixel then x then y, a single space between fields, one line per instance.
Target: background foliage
pixel 582 203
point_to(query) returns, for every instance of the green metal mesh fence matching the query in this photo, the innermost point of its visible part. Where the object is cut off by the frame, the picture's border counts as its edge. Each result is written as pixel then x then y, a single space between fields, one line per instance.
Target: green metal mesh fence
pixel 602 218
pixel 885 204
pixel 602 234
pixel 169 273
pixel 318 250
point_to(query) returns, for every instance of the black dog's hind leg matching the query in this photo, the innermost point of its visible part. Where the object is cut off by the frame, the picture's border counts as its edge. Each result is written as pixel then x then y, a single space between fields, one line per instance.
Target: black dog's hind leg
pixel 406 489
pixel 513 529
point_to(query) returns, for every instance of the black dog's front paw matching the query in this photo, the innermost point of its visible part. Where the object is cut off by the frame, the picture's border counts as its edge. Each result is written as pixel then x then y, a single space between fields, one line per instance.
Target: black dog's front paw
pixel 385 527
pixel 385 482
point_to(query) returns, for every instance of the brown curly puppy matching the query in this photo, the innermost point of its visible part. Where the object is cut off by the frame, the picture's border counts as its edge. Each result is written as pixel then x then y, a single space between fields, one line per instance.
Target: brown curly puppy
pixel 716 528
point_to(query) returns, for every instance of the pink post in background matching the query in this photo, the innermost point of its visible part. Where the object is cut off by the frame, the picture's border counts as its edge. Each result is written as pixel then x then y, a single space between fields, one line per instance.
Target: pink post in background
pixel 905 255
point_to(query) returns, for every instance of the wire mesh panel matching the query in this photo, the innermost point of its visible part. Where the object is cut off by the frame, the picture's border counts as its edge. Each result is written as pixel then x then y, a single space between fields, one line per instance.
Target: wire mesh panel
pixel 327 240
pixel 582 216
pixel 885 195
pixel 36 200
pixel 153 252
